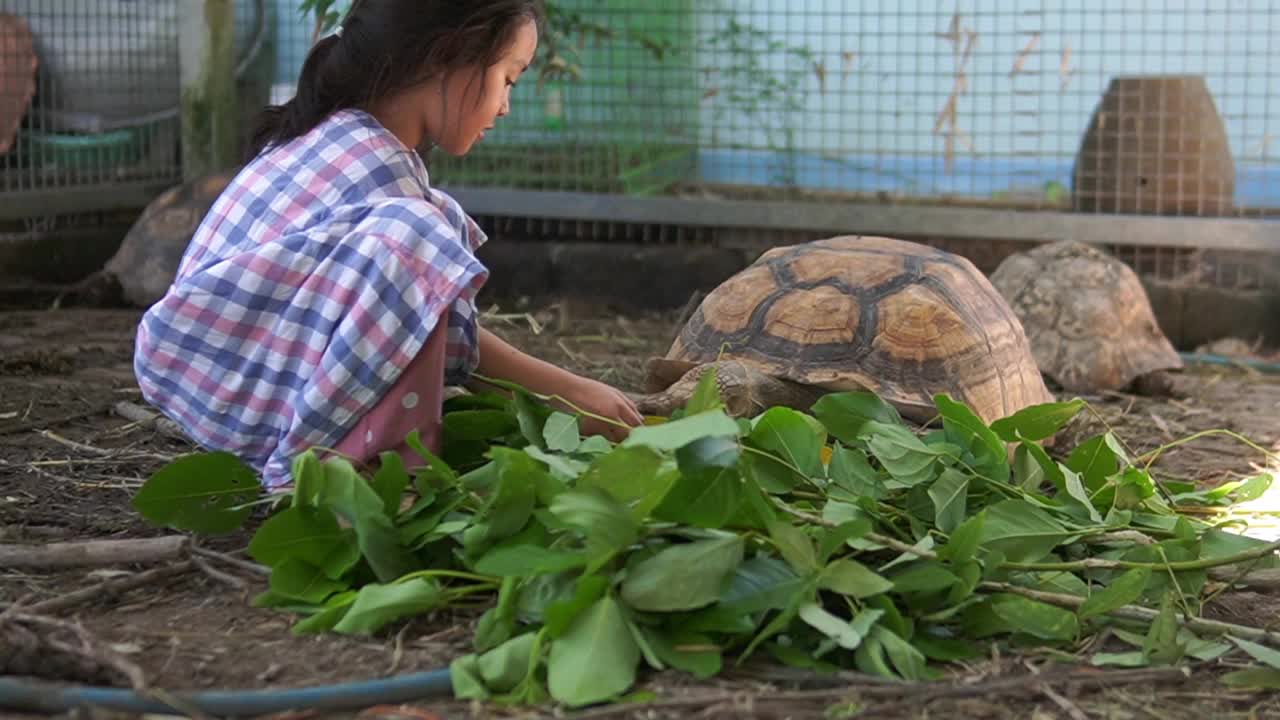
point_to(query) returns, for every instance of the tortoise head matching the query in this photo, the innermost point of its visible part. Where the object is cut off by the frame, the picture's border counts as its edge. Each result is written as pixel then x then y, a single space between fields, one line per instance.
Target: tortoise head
pixel 744 390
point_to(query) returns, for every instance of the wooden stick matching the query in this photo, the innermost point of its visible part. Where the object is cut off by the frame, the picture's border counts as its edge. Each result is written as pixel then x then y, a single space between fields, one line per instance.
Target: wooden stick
pixel 234 562
pixel 99 592
pixel 147 419
pixel 92 552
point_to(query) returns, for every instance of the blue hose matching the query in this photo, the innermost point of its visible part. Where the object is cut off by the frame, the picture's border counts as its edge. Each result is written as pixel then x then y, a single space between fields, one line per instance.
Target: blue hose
pixel 1207 359
pixel 31 695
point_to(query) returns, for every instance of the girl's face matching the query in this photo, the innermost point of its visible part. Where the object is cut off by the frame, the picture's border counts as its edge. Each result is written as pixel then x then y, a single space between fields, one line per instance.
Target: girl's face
pixel 467 102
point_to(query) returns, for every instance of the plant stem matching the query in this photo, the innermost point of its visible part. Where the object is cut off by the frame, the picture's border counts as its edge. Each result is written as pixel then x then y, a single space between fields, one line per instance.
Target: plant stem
pixel 1177 566
pixel 1086 564
pixel 1151 456
pixel 1140 614
pixel 873 537
pixel 427 574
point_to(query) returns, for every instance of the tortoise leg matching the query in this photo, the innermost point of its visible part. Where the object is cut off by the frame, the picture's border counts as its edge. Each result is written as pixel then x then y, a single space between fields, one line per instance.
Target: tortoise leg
pixel 1158 383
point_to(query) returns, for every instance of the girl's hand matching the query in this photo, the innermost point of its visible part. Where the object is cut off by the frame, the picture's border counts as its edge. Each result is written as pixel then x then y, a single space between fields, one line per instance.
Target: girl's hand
pixel 604 400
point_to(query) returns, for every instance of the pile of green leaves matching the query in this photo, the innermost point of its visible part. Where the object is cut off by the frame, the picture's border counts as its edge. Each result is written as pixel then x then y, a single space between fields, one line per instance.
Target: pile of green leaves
pixel 840 538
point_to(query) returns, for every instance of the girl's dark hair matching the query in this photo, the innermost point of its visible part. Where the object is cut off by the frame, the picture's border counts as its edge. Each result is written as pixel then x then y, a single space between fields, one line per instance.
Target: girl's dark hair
pixel 387 46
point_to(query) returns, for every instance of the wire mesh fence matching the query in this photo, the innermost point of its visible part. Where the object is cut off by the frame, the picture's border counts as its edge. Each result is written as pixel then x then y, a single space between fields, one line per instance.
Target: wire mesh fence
pixel 1160 107
pixel 90 100
pixel 1155 107
pixel 88 93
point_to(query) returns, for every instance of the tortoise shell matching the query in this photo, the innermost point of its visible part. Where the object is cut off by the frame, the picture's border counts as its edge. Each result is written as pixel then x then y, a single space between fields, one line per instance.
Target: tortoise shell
pixel 901 319
pixel 1087 316
pixel 148 258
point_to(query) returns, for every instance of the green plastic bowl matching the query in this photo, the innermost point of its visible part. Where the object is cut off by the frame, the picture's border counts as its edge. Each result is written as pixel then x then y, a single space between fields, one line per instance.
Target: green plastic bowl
pixel 101 152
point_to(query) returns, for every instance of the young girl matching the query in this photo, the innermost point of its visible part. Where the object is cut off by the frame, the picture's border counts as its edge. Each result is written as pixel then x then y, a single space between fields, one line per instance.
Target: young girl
pixel 329 293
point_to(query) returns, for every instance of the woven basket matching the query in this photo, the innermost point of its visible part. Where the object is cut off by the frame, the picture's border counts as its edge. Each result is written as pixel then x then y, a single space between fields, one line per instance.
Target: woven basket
pixel 1156 145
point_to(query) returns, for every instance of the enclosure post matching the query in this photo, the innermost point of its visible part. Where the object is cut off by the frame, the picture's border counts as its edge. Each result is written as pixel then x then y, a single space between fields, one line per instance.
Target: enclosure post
pixel 209 114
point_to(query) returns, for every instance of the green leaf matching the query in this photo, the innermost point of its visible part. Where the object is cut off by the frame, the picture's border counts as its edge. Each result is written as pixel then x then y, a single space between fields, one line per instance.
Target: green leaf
pixel 760 583
pixel 560 614
pixel 567 468
pixel 377 605
pixel 845 633
pixel 300 580
pixel 498 623
pixel 923 576
pixel 690 652
pixel 505 666
pixel 1076 494
pixel 1261 653
pixel 678 433
pixel 794 546
pixel 1021 531
pixel 510 504
pixel 1161 645
pixel 531 417
pixel 908 661
pixel 962 427
pixel 1125 589
pixel 1037 422
pixel 307 474
pixel 1036 618
pixel 949 493
pixel 1095 460
pixel 607 525
pixel 324 620
pixel 849 470
pixel 906 458
pixel 852 578
pixel 962 546
pixel 350 496
pixel 308 534
pixel 596 657
pixel 527 561
pixel 390 482
pixel 706 396
pixel 638 477
pixel 204 493
pixel 706 498
pixel 435 473
pixel 561 432
pixel 498 670
pixel 1253 679
pixel 479 424
pixel 784 433
pixel 846 414
pixel 683 577
pixel 848 532
pixel 715 452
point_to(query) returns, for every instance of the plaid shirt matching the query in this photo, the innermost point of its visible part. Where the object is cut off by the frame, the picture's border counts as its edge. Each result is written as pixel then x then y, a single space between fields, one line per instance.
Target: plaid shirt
pixel 310 285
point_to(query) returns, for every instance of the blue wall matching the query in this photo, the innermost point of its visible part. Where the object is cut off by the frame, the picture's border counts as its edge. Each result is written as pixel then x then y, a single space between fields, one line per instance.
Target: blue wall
pixel 870 124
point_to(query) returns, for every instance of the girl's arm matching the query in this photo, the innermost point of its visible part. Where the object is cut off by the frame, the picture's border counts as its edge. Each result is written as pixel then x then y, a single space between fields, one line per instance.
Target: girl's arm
pixel 498 359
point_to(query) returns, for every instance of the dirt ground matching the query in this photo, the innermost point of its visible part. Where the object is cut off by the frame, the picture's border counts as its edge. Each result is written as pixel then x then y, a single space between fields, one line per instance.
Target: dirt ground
pixel 69 465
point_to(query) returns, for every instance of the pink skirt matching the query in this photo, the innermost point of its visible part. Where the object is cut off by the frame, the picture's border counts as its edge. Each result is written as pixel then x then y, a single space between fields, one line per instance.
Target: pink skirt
pixel 413 403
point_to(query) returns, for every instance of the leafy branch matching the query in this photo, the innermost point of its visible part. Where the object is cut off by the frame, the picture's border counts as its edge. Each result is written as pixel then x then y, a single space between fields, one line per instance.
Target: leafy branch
pixel 843 537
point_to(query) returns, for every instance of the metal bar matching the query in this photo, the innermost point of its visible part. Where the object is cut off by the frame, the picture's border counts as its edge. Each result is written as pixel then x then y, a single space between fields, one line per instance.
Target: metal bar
pixel 70 200
pixel 907 220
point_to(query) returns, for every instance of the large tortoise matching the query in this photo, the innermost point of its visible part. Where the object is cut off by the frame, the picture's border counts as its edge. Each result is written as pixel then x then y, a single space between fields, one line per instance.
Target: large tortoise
pixel 144 266
pixel 901 319
pixel 1088 319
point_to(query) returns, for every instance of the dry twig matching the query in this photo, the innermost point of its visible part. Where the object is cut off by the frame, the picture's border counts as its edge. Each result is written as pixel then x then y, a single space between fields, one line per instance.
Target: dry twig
pixel 92 552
